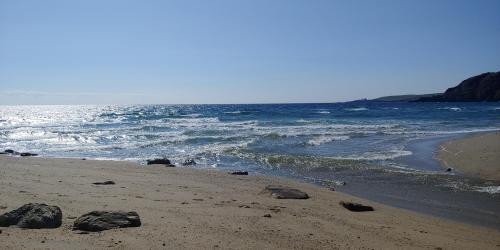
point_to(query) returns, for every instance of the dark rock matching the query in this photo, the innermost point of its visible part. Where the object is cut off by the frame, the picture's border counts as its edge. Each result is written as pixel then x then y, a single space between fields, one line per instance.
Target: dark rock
pixel 449 169
pixel 356 207
pixel 33 215
pixel 104 183
pixel 163 161
pixel 104 220
pixel 28 154
pixel 240 173
pixel 280 192
pixel 10 151
pixel 481 88
pixel 267 215
pixel 189 162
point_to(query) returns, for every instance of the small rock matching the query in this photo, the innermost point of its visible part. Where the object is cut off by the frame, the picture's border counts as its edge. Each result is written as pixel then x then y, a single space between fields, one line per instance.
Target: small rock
pixel 163 161
pixel 267 215
pixel 244 206
pixel 356 207
pixel 240 173
pixel 104 183
pixel 10 151
pixel 449 169
pixel 104 220
pixel 0 231
pixel 189 162
pixel 331 189
pixel 280 192
pixel 28 154
pixel 33 215
pixel 275 209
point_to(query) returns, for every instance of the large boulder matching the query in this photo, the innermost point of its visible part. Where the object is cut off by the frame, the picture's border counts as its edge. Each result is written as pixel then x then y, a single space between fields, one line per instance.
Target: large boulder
pixel 162 161
pixel 33 215
pixel 281 192
pixel 28 154
pixel 104 220
pixel 356 207
pixel 240 173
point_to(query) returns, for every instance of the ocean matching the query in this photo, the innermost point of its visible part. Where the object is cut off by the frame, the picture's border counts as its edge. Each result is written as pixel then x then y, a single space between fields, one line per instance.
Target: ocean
pixel 381 151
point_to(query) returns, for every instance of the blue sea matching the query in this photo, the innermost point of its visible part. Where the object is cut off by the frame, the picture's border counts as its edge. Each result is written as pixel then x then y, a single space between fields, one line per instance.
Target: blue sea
pixel 377 150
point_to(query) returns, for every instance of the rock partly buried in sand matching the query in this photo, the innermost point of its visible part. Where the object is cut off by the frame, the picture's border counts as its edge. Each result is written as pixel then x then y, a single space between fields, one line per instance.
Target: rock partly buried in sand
pixel 104 220
pixel 104 183
pixel 33 215
pixel 189 162
pixel 9 151
pixel 356 207
pixel 163 161
pixel 449 169
pixel 240 173
pixel 28 154
pixel 281 192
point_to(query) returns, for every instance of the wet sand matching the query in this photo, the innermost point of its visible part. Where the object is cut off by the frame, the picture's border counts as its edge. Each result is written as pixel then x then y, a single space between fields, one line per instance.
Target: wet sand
pixel 477 156
pixel 184 208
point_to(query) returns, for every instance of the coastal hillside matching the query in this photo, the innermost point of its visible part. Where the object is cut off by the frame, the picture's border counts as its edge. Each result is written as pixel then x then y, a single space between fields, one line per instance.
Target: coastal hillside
pixel 481 88
pixel 404 98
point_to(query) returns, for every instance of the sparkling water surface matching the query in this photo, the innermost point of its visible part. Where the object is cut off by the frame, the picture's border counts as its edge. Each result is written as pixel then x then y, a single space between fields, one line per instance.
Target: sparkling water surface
pixel 383 151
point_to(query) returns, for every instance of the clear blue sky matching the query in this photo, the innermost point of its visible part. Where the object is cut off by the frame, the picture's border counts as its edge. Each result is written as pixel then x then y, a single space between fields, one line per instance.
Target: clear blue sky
pixel 103 51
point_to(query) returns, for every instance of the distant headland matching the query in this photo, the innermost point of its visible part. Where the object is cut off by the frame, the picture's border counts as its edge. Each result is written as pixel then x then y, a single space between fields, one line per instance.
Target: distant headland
pixel 481 88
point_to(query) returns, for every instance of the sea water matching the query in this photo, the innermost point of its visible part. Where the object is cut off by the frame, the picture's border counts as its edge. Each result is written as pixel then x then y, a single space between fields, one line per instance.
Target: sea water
pixel 377 150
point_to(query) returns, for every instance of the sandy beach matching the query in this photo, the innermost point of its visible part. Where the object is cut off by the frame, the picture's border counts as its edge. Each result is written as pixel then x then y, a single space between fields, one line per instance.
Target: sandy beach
pixel 475 156
pixel 184 208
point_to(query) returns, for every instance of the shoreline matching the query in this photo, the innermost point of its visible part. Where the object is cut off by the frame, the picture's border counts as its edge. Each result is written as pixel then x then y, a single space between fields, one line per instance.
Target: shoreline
pixel 476 155
pixel 199 209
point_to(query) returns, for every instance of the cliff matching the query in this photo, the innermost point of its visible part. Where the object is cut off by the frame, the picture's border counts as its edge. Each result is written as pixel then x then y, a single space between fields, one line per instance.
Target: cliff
pixel 481 88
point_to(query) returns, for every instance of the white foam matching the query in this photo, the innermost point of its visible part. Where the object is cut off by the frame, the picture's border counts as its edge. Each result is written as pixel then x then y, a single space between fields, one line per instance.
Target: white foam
pixel 489 189
pixel 318 140
pixel 356 109
pixel 456 109
pixel 387 155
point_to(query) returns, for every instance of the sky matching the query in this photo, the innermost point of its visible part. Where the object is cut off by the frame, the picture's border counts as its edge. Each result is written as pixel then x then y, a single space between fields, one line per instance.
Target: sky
pixel 240 51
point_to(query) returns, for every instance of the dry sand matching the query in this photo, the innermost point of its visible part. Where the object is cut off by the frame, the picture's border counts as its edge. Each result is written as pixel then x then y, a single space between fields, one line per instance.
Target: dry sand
pixel 183 208
pixel 477 156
